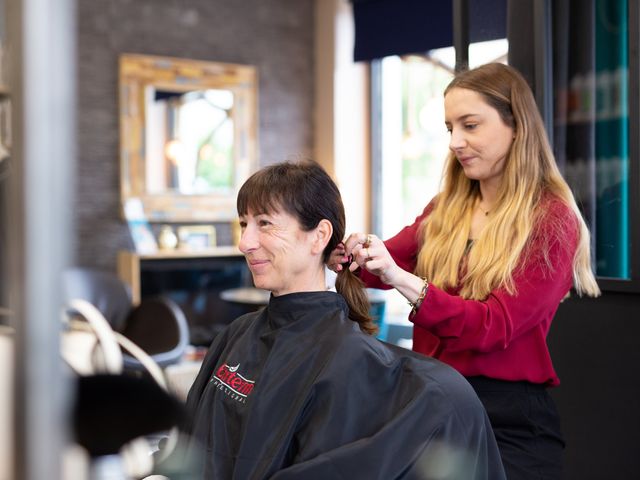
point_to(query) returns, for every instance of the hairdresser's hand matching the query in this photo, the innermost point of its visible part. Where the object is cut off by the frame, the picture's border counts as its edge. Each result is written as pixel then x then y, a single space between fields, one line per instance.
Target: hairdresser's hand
pixel 370 253
pixel 338 259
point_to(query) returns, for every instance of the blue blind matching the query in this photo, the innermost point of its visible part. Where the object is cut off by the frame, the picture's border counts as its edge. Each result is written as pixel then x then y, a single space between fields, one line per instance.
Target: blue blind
pixel 398 27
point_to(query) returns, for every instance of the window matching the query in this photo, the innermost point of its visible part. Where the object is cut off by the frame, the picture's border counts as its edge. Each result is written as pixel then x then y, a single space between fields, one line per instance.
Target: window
pixel 413 139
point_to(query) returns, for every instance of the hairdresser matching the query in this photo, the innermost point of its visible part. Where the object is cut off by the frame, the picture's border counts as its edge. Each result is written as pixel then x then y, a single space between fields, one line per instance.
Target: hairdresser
pixel 489 260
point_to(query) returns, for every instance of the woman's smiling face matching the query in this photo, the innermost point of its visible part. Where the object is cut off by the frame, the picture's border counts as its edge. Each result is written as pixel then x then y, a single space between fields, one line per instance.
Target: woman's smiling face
pixel 480 139
pixel 279 253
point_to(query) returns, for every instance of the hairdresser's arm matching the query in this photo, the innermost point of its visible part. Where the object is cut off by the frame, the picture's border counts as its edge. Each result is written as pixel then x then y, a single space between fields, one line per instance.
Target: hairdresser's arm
pixel 389 264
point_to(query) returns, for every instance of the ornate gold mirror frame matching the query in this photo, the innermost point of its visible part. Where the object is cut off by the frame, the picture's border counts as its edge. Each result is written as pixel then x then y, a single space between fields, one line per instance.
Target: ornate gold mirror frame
pixel 188 136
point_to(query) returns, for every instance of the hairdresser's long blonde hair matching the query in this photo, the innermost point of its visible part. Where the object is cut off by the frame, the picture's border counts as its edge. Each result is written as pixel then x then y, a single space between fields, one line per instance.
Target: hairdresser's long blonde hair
pixel 530 173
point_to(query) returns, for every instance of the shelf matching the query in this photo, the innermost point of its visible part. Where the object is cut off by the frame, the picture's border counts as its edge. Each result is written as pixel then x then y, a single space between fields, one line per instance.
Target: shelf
pixel 130 264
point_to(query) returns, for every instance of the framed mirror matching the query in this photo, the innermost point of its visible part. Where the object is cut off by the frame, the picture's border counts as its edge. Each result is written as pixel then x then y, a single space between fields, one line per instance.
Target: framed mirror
pixel 188 133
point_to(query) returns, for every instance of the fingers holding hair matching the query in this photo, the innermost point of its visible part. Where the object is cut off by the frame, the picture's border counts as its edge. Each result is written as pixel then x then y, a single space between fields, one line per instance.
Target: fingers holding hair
pixel 339 259
pixel 371 254
pixel 360 245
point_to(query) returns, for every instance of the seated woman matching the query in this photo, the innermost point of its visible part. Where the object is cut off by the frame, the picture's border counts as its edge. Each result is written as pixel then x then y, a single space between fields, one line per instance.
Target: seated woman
pixel 301 389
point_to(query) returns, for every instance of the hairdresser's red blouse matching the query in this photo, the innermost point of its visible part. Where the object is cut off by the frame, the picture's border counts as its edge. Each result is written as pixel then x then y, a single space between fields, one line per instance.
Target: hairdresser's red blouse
pixel 504 336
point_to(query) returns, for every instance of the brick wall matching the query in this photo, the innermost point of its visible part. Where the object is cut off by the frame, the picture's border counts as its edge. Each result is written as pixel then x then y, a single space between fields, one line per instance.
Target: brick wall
pixel 274 35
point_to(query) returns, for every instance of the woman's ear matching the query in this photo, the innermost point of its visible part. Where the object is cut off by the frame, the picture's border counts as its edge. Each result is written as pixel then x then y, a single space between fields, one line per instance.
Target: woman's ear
pixel 322 235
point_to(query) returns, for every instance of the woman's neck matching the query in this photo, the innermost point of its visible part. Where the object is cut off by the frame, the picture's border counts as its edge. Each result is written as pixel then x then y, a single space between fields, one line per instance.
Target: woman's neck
pixel 488 195
pixel 312 281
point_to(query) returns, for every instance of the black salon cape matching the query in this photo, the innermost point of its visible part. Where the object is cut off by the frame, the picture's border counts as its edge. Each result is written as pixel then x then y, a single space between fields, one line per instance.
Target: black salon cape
pixel 329 402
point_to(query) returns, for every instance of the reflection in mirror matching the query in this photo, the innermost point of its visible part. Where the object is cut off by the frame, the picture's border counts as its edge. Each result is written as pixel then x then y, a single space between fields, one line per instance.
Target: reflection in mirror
pixel 188 135
pixel 189 138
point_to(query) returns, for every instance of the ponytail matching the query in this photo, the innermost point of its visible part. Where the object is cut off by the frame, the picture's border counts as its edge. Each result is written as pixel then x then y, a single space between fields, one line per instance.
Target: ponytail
pixel 352 289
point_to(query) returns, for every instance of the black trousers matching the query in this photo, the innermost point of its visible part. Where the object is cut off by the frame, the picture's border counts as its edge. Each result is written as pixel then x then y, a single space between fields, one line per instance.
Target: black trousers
pixel 526 424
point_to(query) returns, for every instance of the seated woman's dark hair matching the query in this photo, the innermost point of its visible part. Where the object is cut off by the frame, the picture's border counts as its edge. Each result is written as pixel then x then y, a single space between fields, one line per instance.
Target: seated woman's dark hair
pixel 305 191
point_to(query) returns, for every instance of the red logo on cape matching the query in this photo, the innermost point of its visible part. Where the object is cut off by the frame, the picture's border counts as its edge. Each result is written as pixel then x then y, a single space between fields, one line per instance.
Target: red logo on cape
pixel 235 385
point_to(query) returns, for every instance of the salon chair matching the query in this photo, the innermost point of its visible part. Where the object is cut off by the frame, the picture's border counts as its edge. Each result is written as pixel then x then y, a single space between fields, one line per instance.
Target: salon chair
pixel 157 325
